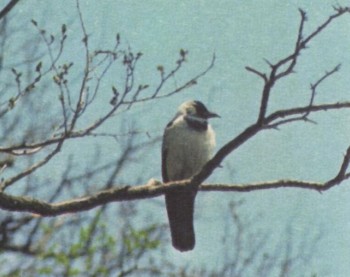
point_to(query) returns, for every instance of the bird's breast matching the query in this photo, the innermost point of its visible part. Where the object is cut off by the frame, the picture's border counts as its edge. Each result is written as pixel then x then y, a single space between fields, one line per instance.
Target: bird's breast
pixel 188 150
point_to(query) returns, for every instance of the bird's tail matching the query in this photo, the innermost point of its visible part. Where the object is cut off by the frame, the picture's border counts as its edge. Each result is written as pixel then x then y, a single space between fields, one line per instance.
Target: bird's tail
pixel 180 208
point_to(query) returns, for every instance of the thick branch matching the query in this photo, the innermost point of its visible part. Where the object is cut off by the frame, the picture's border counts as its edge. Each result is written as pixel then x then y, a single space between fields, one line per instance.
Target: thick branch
pixel 126 193
pixel 152 189
pixel 155 188
pixel 215 162
pixel 253 130
pixel 265 97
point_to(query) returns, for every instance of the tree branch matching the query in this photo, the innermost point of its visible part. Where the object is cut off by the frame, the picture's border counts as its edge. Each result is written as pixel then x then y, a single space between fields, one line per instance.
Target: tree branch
pixel 155 188
pixel 152 189
pixel 277 70
pixel 306 109
pixel 8 8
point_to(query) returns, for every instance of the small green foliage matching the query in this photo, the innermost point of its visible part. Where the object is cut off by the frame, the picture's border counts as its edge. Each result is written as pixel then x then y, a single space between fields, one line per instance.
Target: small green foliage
pixel 102 270
pixel 46 270
pixel 73 272
pixel 138 239
pixel 62 258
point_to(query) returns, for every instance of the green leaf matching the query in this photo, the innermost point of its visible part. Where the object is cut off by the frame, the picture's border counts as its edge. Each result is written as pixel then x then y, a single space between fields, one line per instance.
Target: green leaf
pixel 45 270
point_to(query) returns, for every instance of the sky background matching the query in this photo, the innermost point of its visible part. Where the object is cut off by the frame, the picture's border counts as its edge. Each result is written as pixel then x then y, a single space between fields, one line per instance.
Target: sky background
pixel 240 33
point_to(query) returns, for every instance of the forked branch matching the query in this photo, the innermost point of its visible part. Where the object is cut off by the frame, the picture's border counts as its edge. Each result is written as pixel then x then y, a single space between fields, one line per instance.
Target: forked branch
pixel 127 97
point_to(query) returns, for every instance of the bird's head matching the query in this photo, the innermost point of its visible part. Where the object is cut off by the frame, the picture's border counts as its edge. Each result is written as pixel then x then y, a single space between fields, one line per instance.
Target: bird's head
pixel 196 109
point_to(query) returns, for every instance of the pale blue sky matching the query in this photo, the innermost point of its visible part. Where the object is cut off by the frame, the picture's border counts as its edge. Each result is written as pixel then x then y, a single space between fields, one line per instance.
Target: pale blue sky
pixel 240 33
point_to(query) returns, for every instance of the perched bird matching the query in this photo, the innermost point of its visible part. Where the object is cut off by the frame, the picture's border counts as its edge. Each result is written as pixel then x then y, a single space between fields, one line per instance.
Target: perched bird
pixel 188 143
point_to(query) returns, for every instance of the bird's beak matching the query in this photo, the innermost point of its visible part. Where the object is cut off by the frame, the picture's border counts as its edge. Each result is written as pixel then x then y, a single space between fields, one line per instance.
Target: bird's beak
pixel 210 115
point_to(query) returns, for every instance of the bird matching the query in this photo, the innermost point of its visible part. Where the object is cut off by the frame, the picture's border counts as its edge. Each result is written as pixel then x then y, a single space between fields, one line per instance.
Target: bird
pixel 188 144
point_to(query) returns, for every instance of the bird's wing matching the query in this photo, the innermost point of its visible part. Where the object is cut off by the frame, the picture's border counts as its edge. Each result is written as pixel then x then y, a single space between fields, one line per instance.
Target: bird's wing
pixel 164 170
pixel 165 151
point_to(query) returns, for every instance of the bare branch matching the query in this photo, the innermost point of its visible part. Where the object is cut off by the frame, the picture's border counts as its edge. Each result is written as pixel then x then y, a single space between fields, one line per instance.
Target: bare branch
pixel 304 110
pixel 261 75
pixel 152 189
pixel 339 12
pixel 303 116
pixel 342 174
pixel 319 81
pixel 278 69
pixel 265 96
pixel 6 183
pixel 80 102
pixel 8 8
pixel 263 186
pixel 129 95
pixel 186 84
pixel 165 77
